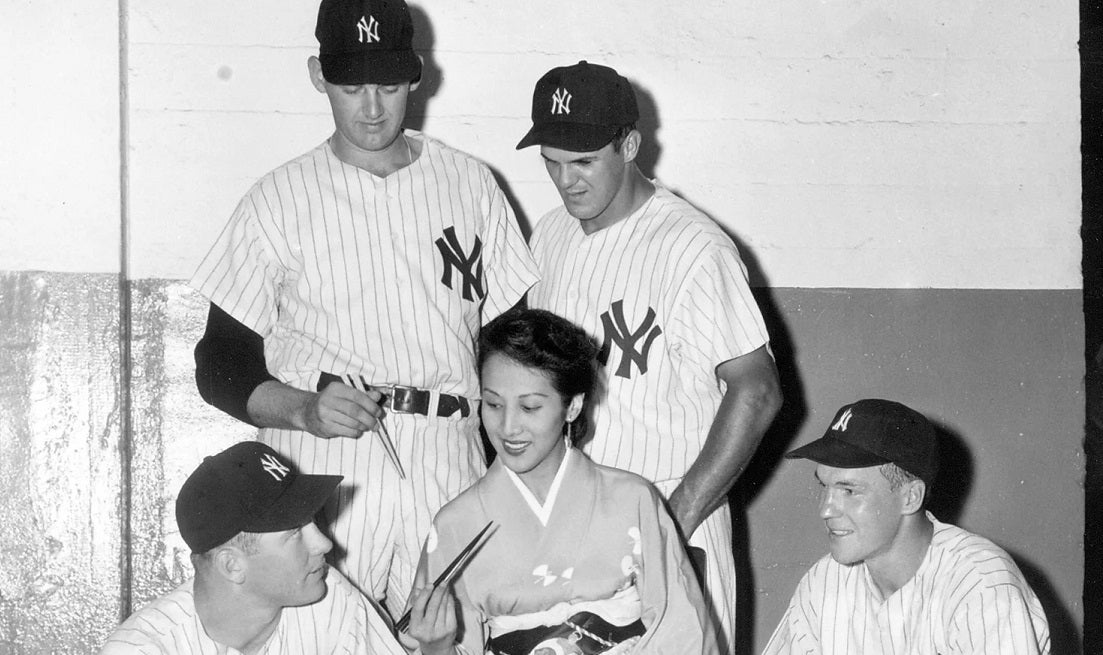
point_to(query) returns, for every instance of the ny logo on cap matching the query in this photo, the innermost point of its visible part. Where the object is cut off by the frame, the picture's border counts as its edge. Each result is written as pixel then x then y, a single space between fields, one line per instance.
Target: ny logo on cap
pixel 561 102
pixel 368 30
pixel 275 467
pixel 840 425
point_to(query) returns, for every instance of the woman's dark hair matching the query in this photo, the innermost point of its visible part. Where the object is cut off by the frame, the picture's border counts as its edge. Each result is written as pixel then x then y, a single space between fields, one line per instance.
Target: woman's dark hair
pixel 549 343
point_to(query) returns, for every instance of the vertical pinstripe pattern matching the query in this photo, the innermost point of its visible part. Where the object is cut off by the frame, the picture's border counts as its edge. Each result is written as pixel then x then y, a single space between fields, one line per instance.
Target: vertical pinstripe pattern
pixel 339 270
pixel 967 596
pixel 341 623
pixel 387 279
pixel 670 284
pixel 670 259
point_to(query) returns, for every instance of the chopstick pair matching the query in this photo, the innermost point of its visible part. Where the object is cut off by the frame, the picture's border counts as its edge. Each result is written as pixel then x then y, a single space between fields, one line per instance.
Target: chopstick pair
pixel 384 434
pixel 452 570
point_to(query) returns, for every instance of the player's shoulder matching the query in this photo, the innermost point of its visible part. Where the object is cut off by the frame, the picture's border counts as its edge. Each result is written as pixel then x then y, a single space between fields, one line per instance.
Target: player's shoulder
pixel 826 575
pixel 308 159
pixel 157 626
pixel 441 151
pixel 958 552
pixel 674 218
pixel 553 220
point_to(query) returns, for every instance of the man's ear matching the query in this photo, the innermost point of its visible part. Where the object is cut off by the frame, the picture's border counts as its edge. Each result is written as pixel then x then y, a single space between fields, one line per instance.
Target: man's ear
pixel 631 146
pixel 314 66
pixel 915 492
pixel 414 85
pixel 230 563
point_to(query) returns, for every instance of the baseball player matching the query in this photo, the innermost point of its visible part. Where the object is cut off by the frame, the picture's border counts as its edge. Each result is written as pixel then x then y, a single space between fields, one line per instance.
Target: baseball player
pixel 690 383
pixel 261 583
pixel 346 292
pixel 898 581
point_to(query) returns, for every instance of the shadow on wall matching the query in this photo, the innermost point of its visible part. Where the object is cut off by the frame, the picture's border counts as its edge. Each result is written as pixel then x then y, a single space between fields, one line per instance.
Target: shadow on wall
pixel 648 126
pixel 417 106
pixel 1064 634
pixel 793 412
pixel 950 493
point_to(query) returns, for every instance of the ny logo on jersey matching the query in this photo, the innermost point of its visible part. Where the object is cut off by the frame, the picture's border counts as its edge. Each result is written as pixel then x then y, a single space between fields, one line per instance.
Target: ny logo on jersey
pixel 469 266
pixel 368 30
pixel 561 102
pixel 841 424
pixel 616 331
pixel 275 467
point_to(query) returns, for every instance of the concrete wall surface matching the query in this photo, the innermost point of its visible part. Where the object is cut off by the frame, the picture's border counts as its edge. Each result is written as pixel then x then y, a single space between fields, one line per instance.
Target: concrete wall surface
pixel 902 179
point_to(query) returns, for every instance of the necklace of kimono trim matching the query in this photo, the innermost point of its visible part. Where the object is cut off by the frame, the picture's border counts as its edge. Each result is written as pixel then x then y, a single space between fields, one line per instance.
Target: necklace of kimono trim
pixel 542 512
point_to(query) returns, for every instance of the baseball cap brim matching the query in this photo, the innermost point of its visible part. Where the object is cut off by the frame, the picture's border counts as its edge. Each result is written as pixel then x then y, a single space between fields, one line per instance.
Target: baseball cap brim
pixel 384 67
pixel 298 504
pixel 574 137
pixel 834 452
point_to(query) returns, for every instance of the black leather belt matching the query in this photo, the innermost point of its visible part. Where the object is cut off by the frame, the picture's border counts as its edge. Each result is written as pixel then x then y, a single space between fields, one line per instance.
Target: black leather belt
pixel 409 400
pixel 586 630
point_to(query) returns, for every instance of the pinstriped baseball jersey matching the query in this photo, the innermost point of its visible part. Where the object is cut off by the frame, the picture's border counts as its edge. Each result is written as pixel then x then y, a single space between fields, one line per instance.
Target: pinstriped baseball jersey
pixel 387 279
pixel 342 623
pixel 665 293
pixel 343 271
pixel 967 596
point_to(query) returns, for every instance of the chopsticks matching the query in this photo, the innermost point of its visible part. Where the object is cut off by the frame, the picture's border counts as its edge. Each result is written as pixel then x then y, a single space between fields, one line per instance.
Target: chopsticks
pixel 452 570
pixel 384 433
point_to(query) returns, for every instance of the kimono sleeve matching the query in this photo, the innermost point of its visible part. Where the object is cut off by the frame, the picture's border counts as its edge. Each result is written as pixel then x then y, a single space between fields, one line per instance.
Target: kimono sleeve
pixel 242 272
pixel 441 546
pixel 507 263
pixel 673 607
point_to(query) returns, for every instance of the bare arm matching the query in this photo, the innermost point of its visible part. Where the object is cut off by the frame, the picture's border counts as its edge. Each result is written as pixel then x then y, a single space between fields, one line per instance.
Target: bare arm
pixel 752 399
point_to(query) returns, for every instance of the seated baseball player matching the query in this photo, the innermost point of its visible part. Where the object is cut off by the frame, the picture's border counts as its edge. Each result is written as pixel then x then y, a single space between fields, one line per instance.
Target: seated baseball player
pixel 261 583
pixel 898 580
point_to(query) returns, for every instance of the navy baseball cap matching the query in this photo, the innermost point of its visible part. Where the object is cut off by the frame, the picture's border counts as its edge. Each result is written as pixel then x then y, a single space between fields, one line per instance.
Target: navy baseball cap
pixel 580 108
pixel 366 42
pixel 247 488
pixel 872 432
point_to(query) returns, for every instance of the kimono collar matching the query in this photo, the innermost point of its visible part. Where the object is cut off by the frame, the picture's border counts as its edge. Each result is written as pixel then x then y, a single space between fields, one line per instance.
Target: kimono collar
pixel 542 512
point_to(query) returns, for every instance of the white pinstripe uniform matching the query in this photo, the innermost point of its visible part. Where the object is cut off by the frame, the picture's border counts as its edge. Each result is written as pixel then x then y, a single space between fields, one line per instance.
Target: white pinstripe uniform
pixel 387 279
pixel 967 596
pixel 665 293
pixel 341 623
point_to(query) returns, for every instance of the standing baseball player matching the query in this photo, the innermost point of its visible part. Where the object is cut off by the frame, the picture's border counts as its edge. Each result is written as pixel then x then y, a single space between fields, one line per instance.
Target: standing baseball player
pixel 898 581
pixel 347 290
pixel 261 583
pixel 690 383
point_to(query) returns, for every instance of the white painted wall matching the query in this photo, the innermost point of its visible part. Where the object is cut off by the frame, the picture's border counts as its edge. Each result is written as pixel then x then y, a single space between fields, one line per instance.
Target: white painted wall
pixel 832 137
pixel 59 136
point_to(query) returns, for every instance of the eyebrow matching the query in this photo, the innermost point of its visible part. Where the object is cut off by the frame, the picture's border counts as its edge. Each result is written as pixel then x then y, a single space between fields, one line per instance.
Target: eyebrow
pixel 538 394
pixel 580 158
pixel 844 482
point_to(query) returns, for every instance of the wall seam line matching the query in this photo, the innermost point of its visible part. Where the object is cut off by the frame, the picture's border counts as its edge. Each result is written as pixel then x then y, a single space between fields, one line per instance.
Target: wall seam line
pixel 126 555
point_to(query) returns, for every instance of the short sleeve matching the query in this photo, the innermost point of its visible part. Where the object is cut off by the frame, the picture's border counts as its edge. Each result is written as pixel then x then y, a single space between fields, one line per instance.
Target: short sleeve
pixel 507 263
pixel 241 272
pixel 718 317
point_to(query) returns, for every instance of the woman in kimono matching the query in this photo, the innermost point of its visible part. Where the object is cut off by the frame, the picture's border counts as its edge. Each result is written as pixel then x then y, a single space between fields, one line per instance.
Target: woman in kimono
pixel 582 558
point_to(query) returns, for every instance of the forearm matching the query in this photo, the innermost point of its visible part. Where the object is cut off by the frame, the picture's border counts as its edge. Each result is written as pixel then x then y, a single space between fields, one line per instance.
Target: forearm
pixel 751 401
pixel 274 404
